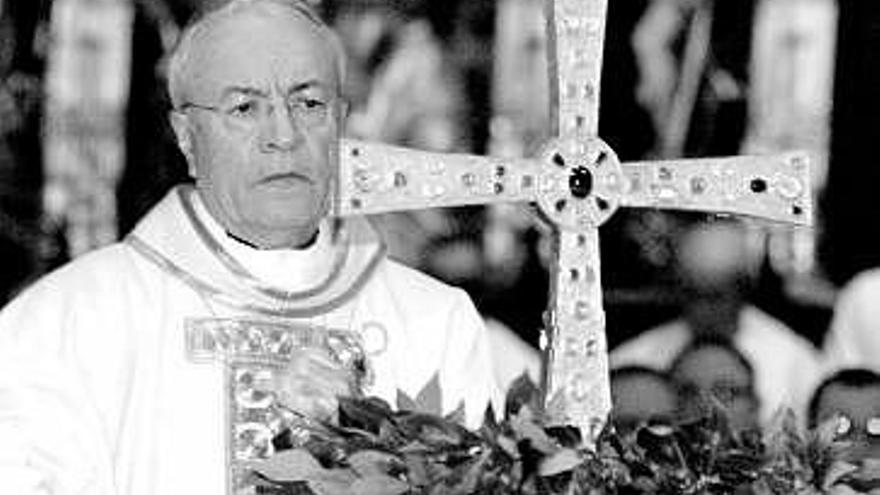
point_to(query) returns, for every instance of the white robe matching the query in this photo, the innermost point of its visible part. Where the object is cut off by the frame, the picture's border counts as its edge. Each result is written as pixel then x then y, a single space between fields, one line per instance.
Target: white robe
pixel 98 395
pixel 853 338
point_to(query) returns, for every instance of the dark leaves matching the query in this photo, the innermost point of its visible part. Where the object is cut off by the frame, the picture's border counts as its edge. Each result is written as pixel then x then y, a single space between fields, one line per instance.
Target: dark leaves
pixel 377 451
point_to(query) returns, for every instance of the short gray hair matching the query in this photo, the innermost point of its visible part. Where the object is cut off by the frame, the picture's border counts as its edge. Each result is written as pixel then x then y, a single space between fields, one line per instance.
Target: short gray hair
pixel 180 56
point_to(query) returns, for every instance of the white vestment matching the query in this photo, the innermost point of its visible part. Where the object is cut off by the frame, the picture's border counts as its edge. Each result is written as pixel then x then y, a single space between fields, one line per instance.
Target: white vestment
pixel 853 339
pixel 99 396
pixel 785 364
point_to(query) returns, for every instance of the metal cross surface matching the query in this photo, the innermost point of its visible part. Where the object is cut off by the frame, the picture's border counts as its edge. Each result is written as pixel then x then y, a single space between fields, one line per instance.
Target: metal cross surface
pixel 577 183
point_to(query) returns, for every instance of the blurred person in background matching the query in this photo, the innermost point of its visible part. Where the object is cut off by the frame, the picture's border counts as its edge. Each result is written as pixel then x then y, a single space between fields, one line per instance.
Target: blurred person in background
pixel 711 372
pixel 403 90
pixel 851 397
pixel 641 395
pixel 692 58
pixel 715 268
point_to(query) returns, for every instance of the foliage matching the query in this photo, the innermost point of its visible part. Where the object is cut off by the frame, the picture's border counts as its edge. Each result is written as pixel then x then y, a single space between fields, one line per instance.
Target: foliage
pixel 377 451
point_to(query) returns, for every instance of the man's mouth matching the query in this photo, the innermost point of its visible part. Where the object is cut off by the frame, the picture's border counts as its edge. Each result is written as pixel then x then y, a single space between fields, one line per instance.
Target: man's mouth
pixel 287 179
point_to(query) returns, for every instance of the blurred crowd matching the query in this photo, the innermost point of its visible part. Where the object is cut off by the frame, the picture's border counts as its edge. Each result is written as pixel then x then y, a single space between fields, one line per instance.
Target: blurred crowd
pixel 698 306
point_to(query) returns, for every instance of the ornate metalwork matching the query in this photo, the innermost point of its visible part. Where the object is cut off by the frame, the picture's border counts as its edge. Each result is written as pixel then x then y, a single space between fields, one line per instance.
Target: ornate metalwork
pixel 578 183
pixel 258 356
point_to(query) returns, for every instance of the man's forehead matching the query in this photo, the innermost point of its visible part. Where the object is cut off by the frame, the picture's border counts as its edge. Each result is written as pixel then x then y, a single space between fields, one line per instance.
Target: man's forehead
pixel 262 50
pixel 841 395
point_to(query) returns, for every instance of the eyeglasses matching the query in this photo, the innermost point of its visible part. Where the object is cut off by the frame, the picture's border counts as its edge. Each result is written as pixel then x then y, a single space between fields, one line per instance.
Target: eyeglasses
pixel 249 112
pixel 846 427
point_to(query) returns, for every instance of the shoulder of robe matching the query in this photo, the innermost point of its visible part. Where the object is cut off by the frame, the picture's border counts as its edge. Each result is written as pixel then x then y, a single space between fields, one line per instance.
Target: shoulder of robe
pixel 863 289
pixel 774 333
pixel 418 290
pixel 96 280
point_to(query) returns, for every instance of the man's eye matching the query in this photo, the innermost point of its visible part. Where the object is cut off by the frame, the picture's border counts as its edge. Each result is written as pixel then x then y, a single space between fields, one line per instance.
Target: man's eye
pixel 244 109
pixel 309 103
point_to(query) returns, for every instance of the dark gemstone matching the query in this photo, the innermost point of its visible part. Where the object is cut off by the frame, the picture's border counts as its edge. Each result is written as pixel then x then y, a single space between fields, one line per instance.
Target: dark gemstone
pixel 602 204
pixel 580 182
pixel 758 186
pixel 560 205
pixel 797 210
pixel 558 160
pixel 355 152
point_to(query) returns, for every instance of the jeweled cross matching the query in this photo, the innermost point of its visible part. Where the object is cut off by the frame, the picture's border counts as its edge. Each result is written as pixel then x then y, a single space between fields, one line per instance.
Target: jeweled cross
pixel 578 183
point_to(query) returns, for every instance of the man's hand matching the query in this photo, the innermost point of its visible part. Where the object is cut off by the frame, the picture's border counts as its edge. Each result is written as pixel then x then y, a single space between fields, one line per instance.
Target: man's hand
pixel 311 383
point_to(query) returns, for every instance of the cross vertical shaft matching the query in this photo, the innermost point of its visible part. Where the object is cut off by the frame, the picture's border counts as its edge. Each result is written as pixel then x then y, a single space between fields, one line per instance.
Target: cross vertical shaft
pixel 576 387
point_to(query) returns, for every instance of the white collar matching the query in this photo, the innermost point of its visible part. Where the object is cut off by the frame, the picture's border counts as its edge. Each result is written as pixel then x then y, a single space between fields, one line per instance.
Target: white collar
pixel 286 269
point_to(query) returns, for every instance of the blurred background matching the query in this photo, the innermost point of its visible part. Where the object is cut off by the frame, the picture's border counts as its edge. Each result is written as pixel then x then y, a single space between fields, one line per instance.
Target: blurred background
pixel 85 149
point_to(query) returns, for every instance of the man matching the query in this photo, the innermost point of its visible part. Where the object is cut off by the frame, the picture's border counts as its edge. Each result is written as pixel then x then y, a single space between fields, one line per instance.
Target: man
pixel 853 338
pixel 715 269
pixel 152 366
pixel 852 395
pixel 713 371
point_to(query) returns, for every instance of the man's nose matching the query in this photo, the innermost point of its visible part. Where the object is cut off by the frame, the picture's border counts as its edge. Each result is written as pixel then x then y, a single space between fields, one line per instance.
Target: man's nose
pixel 281 131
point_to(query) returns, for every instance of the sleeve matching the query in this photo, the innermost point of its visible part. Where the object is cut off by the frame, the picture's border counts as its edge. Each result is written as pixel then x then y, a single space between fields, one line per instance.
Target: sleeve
pixel 853 338
pixel 50 435
pixel 467 371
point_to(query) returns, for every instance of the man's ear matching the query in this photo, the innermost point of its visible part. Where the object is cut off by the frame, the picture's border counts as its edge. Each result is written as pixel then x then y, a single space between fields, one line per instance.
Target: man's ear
pixel 181 125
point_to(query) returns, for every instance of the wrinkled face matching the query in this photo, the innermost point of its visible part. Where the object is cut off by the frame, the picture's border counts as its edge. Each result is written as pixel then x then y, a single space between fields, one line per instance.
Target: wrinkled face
pixel 260 125
pixel 713 374
pixel 859 411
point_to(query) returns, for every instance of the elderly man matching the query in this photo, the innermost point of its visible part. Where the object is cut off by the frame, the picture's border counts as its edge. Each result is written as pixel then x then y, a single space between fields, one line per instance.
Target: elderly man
pixel 137 369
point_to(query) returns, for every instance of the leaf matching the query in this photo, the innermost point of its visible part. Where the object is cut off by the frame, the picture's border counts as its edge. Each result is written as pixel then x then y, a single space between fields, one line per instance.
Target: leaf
pixel 470 473
pixel 560 462
pixel 288 466
pixel 430 398
pixel 373 462
pixel 433 430
pixel 379 484
pixel 365 414
pixel 332 482
pixel 522 392
pixel 525 428
pixel 457 415
pixel 405 402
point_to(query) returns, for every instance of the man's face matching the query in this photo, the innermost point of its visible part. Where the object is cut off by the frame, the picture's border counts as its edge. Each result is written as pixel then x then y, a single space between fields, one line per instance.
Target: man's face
pixel 860 408
pixel 260 125
pixel 713 374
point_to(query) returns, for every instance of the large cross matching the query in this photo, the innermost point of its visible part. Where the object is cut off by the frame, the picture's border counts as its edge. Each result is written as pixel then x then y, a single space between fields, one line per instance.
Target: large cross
pixel 577 183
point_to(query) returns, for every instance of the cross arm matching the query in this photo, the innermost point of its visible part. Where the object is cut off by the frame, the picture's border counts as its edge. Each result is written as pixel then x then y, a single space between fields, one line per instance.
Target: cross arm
pixel 576 34
pixel 378 178
pixel 775 187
